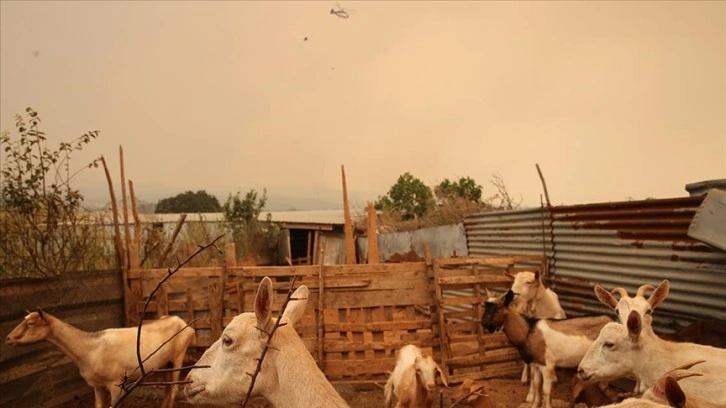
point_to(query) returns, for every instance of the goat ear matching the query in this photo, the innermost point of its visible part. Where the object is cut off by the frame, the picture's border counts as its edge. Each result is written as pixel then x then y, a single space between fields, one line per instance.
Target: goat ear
pixel 263 305
pixel 443 377
pixel 605 297
pixel 489 293
pixel 659 294
pixel 635 325
pixel 508 297
pixel 509 275
pixel 674 394
pixel 296 307
pixel 40 314
pixel 537 276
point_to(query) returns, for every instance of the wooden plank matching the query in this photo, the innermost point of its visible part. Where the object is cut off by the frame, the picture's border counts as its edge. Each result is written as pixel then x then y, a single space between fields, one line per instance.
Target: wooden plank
pixel 357 367
pixel 375 298
pixel 343 346
pixel 379 326
pixel 469 300
pixel 494 260
pixel 472 280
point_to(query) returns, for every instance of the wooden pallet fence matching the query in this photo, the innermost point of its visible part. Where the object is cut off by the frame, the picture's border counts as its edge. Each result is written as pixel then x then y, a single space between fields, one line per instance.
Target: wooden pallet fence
pixel 370 312
pixel 357 316
pixel 460 285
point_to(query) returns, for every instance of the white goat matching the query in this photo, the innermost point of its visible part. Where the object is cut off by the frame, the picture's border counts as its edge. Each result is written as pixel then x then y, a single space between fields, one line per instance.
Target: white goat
pixel 289 376
pixel 544 343
pixel 413 380
pixel 629 351
pixel 106 356
pixel 666 392
pixel 626 304
pixel 533 299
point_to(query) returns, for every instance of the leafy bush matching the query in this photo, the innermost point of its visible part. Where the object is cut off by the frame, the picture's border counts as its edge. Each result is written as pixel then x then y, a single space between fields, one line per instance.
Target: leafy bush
pixel 241 216
pixel 45 230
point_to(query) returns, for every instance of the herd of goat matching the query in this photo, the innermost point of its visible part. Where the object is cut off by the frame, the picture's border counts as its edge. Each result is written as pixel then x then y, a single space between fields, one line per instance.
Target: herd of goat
pixel 666 373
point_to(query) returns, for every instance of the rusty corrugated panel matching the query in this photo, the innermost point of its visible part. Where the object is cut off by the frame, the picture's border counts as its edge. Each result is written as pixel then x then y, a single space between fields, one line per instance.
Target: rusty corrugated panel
pixel 615 244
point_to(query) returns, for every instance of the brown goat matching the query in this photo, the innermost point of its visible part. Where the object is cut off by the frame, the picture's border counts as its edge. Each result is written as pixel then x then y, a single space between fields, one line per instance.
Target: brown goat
pixel 472 393
pixel 587 393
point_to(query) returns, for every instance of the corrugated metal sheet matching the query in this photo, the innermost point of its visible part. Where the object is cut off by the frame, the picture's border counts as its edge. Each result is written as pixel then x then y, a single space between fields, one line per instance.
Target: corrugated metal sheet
pixel 615 244
pixel 444 241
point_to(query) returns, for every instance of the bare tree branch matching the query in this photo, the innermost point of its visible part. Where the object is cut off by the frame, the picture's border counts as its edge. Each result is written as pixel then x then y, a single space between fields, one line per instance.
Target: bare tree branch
pixel 127 389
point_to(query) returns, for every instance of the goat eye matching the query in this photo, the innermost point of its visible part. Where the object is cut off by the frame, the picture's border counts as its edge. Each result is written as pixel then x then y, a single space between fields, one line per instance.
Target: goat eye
pixel 226 341
pixel 609 345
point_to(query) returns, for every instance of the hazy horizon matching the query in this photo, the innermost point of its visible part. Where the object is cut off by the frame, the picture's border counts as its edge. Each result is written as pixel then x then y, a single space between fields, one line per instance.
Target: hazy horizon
pixel 614 100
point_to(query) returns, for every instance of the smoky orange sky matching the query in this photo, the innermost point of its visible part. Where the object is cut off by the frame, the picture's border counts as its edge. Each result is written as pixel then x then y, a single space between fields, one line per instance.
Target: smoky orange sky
pixel 614 100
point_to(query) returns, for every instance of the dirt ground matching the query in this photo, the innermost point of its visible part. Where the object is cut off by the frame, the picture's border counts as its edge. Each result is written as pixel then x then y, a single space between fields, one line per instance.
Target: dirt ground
pixel 505 392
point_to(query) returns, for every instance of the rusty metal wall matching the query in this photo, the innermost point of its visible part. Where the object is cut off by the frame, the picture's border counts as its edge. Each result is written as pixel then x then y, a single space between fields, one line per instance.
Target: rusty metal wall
pixel 615 244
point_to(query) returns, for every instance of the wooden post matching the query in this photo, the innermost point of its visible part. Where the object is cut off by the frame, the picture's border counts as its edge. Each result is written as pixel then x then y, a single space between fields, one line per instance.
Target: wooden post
pixel 348 228
pixel 116 230
pixel 321 309
pixel 124 203
pixel 132 296
pixel 134 262
pixel 230 254
pixel 135 212
pixel 373 255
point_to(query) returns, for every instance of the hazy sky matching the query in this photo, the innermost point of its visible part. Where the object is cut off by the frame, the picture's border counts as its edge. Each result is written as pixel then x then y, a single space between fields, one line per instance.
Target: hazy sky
pixel 613 100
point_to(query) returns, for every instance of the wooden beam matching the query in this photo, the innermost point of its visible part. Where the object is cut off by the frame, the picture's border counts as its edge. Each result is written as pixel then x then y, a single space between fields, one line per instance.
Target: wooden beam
pixel 135 212
pixel 116 229
pixel 348 228
pixel 125 206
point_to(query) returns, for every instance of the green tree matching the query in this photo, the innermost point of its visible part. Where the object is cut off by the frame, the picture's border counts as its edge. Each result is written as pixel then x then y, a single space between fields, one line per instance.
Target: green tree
pixel 44 229
pixel 464 187
pixel 189 202
pixel 409 196
pixel 241 217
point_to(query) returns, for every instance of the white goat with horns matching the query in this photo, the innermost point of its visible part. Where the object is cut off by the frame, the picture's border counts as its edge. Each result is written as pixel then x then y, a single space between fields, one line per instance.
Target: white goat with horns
pixel 630 351
pixel 105 357
pixel 288 377
pixel 644 307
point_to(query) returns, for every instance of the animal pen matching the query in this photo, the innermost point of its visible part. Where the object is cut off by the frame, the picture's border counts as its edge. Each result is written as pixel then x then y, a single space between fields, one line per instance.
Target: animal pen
pixel 357 316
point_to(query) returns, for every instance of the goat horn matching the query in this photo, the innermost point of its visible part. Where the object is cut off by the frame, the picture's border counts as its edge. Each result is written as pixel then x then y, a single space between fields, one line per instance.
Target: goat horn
pixel 687 365
pixel 621 291
pixel 643 288
pixel 681 374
